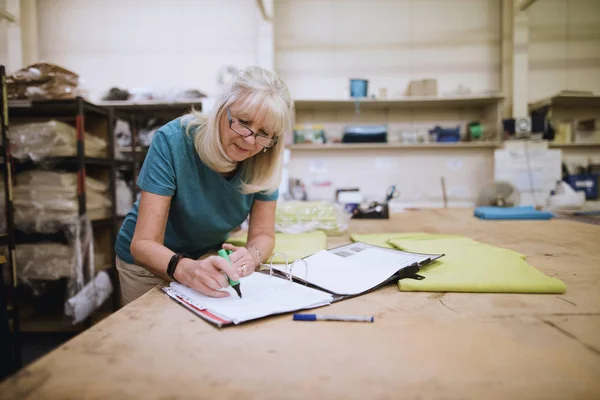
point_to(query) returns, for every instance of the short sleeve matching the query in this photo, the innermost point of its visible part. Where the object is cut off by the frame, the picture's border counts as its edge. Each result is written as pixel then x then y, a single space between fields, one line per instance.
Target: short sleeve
pixel 157 174
pixel 267 197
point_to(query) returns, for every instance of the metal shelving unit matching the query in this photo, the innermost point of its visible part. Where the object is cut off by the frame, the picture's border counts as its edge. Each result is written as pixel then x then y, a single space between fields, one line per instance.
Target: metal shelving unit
pixel 9 290
pixel 136 113
pixel 80 113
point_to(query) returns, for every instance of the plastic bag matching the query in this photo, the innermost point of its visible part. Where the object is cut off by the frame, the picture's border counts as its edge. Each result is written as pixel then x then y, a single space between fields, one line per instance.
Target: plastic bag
pixel 306 216
pixel 47 261
pixel 39 140
pixel 85 292
pixel 44 200
pixel 124 198
pixel 44 81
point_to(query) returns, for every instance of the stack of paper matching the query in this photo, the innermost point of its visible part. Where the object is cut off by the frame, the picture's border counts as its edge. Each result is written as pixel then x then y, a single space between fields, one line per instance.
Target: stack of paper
pixel 262 295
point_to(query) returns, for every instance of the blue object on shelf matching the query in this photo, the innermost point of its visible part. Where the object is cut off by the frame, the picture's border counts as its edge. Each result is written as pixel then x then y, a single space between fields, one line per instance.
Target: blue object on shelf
pixel 445 134
pixel 359 87
pixel 511 213
pixel 587 183
pixel 365 134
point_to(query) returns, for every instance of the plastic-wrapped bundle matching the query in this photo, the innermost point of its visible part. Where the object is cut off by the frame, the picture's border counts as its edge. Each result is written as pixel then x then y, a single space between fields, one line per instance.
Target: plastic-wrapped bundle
pixel 48 261
pixel 43 81
pixel 39 140
pixel 44 200
pixel 306 216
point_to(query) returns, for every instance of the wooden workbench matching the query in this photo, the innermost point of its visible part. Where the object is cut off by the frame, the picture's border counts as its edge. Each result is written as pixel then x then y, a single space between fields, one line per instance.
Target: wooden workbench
pixel 422 345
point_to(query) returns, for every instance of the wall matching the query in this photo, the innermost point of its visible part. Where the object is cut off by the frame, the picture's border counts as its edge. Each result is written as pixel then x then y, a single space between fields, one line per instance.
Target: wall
pixel 320 44
pixel 416 173
pixel 564 46
pixel 3 36
pixel 164 45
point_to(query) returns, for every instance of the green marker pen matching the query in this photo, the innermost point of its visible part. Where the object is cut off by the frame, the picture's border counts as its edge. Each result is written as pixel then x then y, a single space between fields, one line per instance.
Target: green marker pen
pixel 234 284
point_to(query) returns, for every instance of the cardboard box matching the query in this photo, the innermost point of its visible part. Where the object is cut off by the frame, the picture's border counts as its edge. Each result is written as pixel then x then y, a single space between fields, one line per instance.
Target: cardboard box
pixel 423 87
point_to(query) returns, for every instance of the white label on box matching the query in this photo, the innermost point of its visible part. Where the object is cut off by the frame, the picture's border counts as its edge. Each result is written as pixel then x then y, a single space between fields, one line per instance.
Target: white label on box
pixel 454 164
pixel 318 167
pixel 383 163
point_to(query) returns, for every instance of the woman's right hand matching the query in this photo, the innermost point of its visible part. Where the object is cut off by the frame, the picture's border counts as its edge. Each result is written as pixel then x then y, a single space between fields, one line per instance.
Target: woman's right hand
pixel 206 276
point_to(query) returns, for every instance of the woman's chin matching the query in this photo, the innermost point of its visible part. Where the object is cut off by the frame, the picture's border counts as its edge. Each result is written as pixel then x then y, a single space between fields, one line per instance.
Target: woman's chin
pixel 237 156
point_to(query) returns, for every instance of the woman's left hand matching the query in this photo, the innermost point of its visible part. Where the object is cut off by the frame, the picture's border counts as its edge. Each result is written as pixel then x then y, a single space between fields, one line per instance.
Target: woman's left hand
pixel 243 259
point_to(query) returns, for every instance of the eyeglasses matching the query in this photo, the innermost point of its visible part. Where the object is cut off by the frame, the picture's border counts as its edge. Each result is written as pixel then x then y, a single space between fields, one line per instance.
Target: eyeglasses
pixel 238 127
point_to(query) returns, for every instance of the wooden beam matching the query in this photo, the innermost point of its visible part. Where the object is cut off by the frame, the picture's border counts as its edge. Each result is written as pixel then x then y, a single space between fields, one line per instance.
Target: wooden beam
pixel 524 4
pixel 7 16
pixel 29 32
pixel 506 56
pixel 520 65
pixel 263 11
pixel 13 37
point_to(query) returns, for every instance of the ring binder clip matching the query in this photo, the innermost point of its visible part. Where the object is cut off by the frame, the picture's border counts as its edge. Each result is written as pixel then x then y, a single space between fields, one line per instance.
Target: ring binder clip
pixel 305 275
pixel 271 262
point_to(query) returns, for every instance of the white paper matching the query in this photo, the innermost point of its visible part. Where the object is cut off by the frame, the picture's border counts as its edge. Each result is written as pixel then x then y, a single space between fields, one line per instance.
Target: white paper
pixel 351 275
pixel 262 295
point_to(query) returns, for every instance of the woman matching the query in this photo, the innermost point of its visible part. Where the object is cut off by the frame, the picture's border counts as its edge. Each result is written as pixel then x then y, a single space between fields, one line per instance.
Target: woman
pixel 201 179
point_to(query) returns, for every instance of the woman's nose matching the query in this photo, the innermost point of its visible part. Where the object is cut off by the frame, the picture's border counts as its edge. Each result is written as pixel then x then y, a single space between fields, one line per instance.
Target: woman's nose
pixel 250 139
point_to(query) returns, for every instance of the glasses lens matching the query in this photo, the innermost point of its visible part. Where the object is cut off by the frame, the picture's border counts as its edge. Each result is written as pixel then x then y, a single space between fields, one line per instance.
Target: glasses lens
pixel 264 141
pixel 240 129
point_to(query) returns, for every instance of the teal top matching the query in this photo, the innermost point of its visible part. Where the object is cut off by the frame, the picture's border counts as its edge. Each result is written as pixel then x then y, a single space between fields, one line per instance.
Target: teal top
pixel 205 206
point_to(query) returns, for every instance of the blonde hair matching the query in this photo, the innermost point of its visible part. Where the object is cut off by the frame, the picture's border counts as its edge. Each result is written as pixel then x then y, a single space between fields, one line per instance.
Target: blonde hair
pixel 257 91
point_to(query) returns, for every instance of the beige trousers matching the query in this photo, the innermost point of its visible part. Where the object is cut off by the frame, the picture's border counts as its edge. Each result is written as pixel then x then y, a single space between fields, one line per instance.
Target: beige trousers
pixel 135 281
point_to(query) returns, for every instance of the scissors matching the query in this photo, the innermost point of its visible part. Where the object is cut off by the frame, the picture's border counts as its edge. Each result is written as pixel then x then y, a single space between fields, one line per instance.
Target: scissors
pixel 391 193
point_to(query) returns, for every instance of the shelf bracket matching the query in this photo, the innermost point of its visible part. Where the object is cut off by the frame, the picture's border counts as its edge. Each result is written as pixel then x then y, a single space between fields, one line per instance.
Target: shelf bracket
pixel 7 16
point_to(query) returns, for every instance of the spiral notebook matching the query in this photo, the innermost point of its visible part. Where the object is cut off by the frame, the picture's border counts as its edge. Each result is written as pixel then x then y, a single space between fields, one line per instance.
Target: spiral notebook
pixel 314 281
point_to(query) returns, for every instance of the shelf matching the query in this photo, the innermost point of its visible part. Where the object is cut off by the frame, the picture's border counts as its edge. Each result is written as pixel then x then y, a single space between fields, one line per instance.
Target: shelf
pixel 401 103
pixel 105 267
pixel 47 323
pixel 2 259
pixel 36 237
pixel 139 107
pixel 125 164
pixel 53 319
pixel 574 145
pixel 422 146
pixel 129 149
pixel 71 162
pixel 51 108
pixel 567 100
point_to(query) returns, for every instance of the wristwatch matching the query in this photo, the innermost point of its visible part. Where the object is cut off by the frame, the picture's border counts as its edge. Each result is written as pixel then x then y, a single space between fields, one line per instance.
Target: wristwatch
pixel 173 265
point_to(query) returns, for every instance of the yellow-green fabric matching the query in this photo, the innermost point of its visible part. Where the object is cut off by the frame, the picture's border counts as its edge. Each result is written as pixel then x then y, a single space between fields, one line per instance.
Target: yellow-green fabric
pixel 470 266
pixel 381 239
pixel 467 266
pixel 293 245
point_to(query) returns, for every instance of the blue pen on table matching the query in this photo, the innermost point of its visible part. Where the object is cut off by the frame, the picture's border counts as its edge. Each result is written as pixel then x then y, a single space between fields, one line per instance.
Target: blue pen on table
pixel 234 284
pixel 345 318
